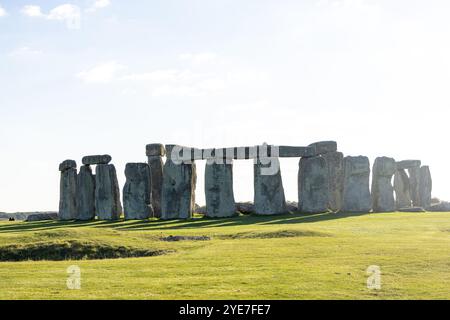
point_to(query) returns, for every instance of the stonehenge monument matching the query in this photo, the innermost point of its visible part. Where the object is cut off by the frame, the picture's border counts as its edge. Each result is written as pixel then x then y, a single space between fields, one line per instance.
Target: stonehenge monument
pixel 335 164
pixel 268 188
pixel 137 192
pixel 68 190
pixel 327 181
pixel 382 189
pixel 155 153
pixel 219 190
pixel 178 189
pixel 107 194
pixel 356 195
pixel 402 188
pixel 313 184
pixel 425 187
pixel 85 194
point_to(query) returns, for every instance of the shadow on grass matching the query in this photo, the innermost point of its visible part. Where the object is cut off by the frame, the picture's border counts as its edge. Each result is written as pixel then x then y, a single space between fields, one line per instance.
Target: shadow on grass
pixel 195 223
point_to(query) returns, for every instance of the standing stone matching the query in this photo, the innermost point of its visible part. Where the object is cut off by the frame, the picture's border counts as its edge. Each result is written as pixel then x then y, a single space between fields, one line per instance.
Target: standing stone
pixel 178 190
pixel 382 190
pixel 219 190
pixel 85 194
pixel 155 152
pixel 68 190
pixel 425 187
pixel 137 191
pixel 268 188
pixel 356 196
pixel 414 179
pixel 402 189
pixel 335 164
pixel 107 194
pixel 313 184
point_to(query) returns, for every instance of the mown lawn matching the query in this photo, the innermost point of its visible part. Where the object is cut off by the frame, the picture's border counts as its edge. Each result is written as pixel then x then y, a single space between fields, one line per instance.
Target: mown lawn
pixel 286 257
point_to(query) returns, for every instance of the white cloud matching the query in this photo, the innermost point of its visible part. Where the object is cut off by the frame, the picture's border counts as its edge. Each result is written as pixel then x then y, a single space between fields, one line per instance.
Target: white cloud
pixel 24 52
pixel 198 58
pixel 99 4
pixel 2 12
pixel 32 11
pixel 68 13
pixel 102 73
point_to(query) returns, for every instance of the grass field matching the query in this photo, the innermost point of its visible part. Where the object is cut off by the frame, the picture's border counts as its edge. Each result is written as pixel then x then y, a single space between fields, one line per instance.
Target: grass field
pixel 285 257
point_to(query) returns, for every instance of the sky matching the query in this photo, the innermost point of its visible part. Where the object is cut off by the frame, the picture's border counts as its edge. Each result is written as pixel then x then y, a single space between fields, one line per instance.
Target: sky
pixel 110 76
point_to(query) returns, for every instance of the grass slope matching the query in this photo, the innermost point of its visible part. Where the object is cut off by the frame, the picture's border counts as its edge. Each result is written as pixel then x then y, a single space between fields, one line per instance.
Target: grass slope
pixel 286 257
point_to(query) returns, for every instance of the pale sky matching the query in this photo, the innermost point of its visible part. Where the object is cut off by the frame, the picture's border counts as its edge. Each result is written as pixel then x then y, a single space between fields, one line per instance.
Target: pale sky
pixel 109 76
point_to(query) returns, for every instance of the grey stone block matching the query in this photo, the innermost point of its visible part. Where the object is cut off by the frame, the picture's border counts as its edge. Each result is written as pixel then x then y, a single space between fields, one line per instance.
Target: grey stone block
pixel 382 190
pixel 313 183
pixel 137 192
pixel 68 194
pixel 96 159
pixel 178 191
pixel 85 194
pixel 356 196
pixel 219 191
pixel 107 193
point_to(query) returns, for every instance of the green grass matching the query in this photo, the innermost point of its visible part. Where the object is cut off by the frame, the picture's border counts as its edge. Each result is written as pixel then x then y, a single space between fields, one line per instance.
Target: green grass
pixel 286 257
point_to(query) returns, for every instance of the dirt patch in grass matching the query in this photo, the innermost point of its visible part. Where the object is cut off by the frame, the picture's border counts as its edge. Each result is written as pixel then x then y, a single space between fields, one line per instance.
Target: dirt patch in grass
pixel 186 238
pixel 275 234
pixel 72 250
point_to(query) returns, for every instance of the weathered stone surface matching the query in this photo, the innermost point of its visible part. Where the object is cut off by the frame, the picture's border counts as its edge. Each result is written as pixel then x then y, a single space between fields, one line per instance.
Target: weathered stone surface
pixel 414 180
pixel 42 217
pixel 178 191
pixel 425 187
pixel 245 207
pixel 156 169
pixel 67 164
pixel 323 147
pixel 85 194
pixel 402 189
pixel 296 152
pixel 335 164
pixel 137 191
pixel 155 150
pixel 219 190
pixel 356 196
pixel 96 159
pixel 313 185
pixel 107 193
pixel 68 194
pixel 269 196
pixel 382 190
pixel 408 164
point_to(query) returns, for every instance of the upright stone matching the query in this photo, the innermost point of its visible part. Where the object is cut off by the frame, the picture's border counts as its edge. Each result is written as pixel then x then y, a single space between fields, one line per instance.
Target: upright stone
pixel 425 187
pixel 85 194
pixel 414 179
pixel 313 184
pixel 155 152
pixel 107 194
pixel 335 164
pixel 219 190
pixel 68 190
pixel 356 196
pixel 137 192
pixel 178 190
pixel 382 190
pixel 269 196
pixel 402 189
